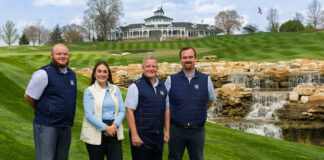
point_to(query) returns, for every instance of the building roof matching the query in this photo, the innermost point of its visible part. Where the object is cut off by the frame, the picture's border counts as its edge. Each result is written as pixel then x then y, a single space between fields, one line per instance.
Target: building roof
pixel 158 17
pixel 159 10
pixel 131 26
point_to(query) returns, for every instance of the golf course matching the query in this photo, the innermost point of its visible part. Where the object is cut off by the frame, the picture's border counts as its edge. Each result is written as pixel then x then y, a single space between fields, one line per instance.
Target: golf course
pixel 18 63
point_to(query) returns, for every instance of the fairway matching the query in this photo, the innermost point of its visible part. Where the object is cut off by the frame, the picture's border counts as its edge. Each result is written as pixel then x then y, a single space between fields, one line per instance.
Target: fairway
pixel 19 62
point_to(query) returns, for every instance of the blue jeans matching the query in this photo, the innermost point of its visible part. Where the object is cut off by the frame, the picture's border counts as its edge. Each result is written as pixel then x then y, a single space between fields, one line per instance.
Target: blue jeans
pixel 192 138
pixel 52 143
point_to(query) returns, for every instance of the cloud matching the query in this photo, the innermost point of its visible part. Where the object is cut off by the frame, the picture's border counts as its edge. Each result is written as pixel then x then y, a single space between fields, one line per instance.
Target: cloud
pixel 23 23
pixel 77 20
pixel 59 3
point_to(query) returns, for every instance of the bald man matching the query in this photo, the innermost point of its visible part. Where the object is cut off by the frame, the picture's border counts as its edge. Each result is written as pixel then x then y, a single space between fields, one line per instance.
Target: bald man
pixel 52 93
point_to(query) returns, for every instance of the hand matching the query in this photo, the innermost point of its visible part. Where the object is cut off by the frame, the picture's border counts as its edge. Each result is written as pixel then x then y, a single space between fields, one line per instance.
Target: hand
pixel 136 141
pixel 166 137
pixel 111 130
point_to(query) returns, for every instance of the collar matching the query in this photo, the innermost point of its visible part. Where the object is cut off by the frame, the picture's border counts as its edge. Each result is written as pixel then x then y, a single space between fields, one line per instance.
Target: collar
pixel 59 70
pixel 193 75
pixel 97 86
pixel 148 80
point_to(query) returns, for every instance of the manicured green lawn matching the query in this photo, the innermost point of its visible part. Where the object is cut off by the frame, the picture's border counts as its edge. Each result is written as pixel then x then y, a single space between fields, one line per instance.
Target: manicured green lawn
pixel 18 63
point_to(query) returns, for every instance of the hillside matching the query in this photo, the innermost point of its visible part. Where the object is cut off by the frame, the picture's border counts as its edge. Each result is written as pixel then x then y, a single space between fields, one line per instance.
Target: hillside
pixel 18 63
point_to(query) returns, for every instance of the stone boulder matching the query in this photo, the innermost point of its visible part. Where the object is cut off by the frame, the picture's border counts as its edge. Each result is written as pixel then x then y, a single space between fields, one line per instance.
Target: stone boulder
pixel 304 90
pixel 299 111
pixel 235 100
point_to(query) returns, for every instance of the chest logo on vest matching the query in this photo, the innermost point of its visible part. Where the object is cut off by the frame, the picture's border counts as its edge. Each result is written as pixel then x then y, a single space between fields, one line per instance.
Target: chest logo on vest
pixel 72 83
pixel 196 86
pixel 162 93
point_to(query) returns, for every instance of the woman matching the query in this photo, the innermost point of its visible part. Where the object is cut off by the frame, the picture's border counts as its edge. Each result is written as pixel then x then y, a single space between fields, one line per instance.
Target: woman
pixel 102 129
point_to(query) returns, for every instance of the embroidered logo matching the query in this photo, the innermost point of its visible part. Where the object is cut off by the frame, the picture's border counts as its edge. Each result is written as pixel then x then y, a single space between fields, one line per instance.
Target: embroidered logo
pixel 72 83
pixel 196 86
pixel 162 93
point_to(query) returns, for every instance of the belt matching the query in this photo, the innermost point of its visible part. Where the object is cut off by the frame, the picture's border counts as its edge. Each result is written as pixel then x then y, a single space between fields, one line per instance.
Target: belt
pixel 188 125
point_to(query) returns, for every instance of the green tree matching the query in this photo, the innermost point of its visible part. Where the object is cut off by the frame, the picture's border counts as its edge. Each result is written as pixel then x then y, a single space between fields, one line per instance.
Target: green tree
pixel 292 26
pixel 56 35
pixel 309 27
pixel 23 40
pixel 9 35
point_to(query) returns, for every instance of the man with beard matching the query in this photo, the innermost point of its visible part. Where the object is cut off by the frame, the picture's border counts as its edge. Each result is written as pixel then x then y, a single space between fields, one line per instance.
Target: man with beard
pixel 52 93
pixel 191 93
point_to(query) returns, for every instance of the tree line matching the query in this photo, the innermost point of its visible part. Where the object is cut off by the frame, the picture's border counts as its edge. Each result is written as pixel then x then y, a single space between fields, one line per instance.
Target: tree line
pixel 101 17
pixel 230 20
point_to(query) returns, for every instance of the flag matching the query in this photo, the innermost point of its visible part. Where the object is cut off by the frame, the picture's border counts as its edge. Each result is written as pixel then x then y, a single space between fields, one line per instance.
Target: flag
pixel 260 11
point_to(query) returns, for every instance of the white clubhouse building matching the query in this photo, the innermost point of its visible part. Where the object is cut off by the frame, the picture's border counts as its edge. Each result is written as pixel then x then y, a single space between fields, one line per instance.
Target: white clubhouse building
pixel 160 27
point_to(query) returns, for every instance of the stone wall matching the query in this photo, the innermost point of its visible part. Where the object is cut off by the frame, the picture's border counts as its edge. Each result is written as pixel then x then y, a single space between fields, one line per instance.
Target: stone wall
pixel 306 102
pixel 222 70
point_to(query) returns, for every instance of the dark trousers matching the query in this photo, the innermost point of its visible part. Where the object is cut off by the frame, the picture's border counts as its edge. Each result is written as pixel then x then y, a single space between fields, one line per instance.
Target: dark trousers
pixel 110 147
pixel 192 138
pixel 151 149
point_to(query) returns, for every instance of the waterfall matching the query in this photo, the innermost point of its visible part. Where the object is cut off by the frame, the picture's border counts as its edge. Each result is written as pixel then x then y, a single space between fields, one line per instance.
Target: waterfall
pixel 315 79
pixel 265 103
pixel 213 111
pixel 266 129
pixel 245 80
pixel 240 79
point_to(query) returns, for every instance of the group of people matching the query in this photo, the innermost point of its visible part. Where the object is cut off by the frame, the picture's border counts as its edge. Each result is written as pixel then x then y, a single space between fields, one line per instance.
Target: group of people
pixel 173 112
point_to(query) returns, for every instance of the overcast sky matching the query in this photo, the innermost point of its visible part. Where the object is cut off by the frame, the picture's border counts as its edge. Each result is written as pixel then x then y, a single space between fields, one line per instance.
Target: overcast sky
pixel 62 12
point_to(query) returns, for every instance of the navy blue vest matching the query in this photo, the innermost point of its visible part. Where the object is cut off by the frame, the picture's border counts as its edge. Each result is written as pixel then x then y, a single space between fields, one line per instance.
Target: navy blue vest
pixel 150 111
pixel 56 106
pixel 188 101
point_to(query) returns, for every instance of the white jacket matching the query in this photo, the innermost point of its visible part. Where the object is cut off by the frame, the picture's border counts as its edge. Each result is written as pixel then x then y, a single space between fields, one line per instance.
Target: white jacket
pixel 89 133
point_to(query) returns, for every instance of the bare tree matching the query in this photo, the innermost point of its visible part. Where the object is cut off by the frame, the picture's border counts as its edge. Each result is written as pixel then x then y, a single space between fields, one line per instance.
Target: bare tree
pixel 88 25
pixel 45 36
pixel 299 17
pixel 273 19
pixel 73 33
pixel 104 14
pixel 42 32
pixel 228 21
pixel 31 33
pixel 9 35
pixel 315 13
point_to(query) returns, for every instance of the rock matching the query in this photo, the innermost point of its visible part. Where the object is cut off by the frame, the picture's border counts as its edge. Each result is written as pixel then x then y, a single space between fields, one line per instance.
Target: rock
pixel 293 96
pixel 304 99
pixel 284 84
pixel 278 75
pixel 229 86
pixel 295 65
pixel 304 90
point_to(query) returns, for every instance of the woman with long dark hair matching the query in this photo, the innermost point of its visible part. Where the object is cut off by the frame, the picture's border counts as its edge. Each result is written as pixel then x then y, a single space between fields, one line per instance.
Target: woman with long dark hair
pixel 102 129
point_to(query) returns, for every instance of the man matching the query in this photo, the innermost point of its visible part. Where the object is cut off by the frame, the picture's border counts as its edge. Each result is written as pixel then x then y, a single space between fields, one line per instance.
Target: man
pixel 52 93
pixel 147 113
pixel 191 93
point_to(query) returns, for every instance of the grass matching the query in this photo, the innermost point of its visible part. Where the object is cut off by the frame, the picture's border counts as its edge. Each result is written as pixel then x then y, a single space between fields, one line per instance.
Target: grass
pixel 18 63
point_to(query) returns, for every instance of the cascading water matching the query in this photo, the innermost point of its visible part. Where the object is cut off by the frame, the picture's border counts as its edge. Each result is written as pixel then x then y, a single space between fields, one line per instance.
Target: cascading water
pixel 315 79
pixel 265 103
pixel 266 129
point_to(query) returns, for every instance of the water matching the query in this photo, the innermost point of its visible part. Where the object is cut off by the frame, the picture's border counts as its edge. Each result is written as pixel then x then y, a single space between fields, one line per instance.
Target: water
pixel 267 97
pixel 265 103
pixel 263 129
pixel 252 81
pixel 315 79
